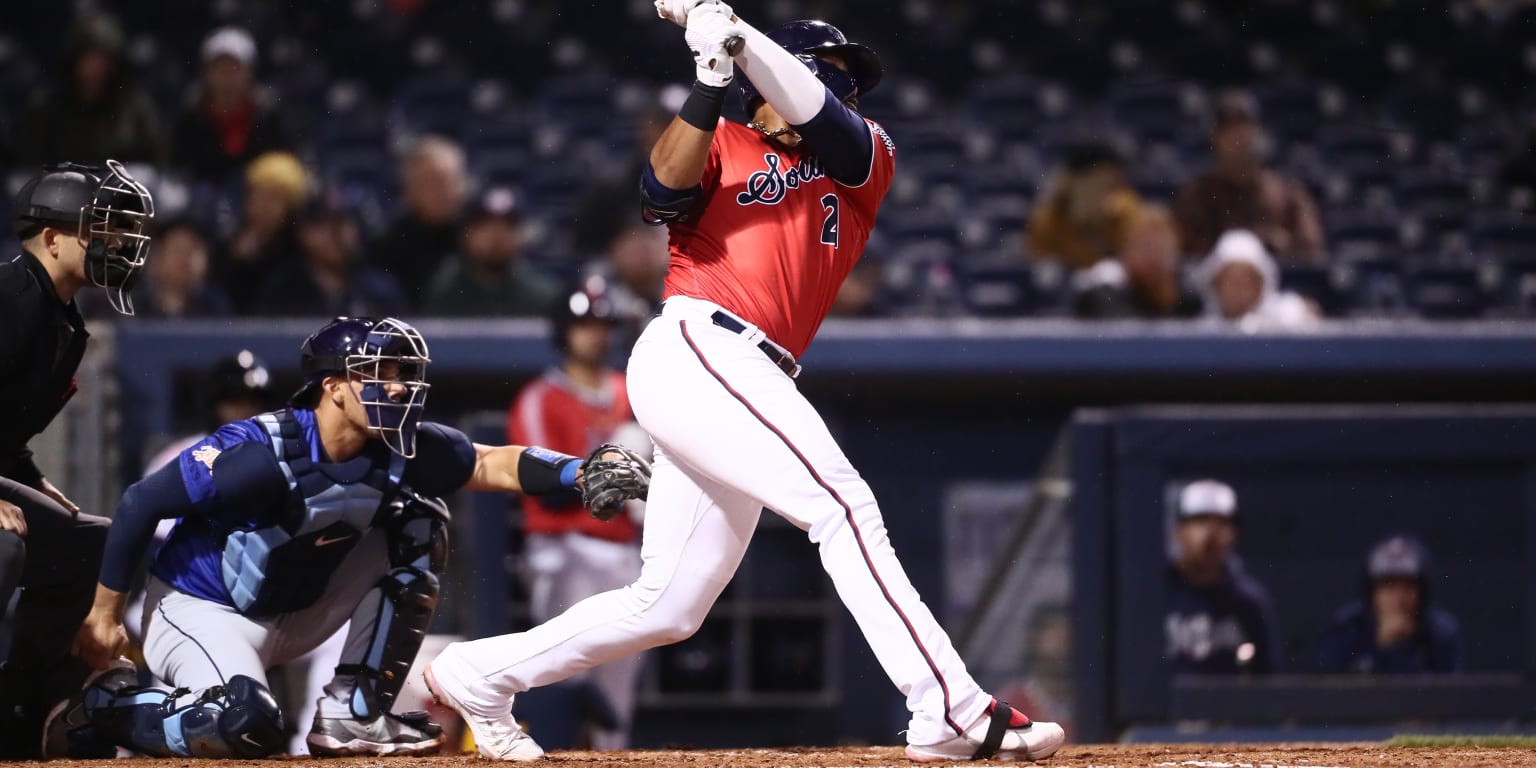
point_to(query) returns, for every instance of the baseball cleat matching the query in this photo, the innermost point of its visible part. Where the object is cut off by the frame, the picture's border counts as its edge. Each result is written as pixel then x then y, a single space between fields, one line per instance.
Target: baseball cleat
pixel 1004 733
pixel 388 734
pixel 67 730
pixel 498 738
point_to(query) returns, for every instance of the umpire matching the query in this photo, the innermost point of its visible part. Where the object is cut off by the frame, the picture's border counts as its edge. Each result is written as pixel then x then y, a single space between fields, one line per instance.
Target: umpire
pixel 79 226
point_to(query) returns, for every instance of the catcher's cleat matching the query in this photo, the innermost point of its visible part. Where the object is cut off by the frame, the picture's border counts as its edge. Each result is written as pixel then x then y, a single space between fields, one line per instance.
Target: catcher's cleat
pixel 496 738
pixel 67 731
pixel 1003 733
pixel 388 734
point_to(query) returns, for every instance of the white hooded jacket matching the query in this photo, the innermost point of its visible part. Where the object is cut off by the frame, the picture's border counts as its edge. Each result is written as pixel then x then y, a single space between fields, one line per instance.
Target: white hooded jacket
pixel 1276 309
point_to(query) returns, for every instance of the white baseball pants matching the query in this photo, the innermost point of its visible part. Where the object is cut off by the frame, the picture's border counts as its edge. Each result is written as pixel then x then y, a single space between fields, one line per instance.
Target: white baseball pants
pixel 567 568
pixel 733 435
pixel 194 643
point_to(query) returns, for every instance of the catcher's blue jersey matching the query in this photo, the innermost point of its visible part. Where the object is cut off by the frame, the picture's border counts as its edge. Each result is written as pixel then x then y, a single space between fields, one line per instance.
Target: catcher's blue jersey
pixel 270 504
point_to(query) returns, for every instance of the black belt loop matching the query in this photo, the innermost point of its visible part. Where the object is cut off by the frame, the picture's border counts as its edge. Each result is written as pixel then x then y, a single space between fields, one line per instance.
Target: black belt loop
pixel 780 356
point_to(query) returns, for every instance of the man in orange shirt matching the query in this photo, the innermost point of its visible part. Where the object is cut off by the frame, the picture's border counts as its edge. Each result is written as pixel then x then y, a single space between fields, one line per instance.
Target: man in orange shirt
pixel 576 406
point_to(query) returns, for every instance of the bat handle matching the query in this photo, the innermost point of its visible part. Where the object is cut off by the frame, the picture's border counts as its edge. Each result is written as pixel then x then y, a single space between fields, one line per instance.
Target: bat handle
pixel 733 44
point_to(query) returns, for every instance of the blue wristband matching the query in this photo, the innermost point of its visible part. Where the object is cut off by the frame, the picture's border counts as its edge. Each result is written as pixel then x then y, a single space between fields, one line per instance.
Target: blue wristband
pixel 568 473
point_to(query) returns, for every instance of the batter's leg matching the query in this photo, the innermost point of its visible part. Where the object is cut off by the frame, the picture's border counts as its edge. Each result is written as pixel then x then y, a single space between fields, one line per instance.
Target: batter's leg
pixel 695 535
pixel 748 426
pixel 598 565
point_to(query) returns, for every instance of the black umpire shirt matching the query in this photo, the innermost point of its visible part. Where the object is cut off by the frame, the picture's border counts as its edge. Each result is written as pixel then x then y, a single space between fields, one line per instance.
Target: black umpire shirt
pixel 41 342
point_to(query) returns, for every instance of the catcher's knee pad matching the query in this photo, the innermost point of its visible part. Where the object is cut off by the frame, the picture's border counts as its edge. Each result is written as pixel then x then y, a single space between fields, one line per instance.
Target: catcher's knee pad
pixel 418 534
pixel 240 719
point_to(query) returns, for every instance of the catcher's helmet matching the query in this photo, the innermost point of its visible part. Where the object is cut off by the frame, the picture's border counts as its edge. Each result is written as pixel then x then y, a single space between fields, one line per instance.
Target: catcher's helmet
pixel 102 206
pixel 361 347
pixel 588 300
pixel 808 38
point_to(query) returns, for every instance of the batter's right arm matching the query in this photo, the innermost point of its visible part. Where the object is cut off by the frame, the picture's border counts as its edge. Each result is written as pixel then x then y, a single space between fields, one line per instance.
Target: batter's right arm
pixel 671 181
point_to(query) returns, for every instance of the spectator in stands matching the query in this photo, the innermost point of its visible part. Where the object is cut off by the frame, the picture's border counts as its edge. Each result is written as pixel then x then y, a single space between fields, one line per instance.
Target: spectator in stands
pixel 1238 192
pixel 276 185
pixel 331 279
pixel 176 283
pixel 1395 629
pixel 1144 280
pixel 489 276
pixel 93 110
pixel 609 207
pixel 1220 620
pixel 1085 210
pixel 230 119
pixel 634 267
pixel 434 186
pixel 1242 285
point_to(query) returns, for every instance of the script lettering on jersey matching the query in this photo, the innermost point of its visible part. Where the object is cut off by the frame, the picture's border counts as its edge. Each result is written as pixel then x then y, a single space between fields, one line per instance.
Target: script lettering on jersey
pixel 768 187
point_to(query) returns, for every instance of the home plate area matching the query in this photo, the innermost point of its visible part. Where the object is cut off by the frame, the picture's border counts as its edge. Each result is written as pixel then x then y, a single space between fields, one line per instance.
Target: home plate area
pixel 1091 756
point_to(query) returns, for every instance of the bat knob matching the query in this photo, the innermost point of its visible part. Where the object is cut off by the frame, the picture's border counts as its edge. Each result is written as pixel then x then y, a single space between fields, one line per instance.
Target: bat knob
pixel 733 44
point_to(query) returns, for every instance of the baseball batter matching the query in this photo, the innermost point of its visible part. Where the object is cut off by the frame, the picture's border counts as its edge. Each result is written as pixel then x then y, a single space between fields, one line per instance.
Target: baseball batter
pixel 766 220
pixel 292 523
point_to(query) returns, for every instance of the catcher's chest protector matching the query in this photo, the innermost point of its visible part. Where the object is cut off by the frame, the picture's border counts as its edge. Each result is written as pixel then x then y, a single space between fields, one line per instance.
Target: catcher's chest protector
pixel 285 567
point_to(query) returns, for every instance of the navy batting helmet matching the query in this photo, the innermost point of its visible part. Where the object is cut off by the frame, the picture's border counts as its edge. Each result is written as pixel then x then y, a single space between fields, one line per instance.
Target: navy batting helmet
pixel 241 376
pixel 809 38
pixel 104 208
pixel 379 353
pixel 587 301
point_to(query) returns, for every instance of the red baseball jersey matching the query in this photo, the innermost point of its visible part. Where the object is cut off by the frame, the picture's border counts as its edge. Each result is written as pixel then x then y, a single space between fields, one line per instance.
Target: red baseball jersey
pixel 553 412
pixel 776 237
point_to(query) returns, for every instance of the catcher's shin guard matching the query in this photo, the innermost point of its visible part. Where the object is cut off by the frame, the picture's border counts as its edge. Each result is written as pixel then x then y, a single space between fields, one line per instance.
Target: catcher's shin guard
pixel 400 606
pixel 236 720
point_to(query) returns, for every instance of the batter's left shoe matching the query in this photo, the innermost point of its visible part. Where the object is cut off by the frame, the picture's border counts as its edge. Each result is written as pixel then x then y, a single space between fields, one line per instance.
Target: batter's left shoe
pixel 388 734
pixel 1003 733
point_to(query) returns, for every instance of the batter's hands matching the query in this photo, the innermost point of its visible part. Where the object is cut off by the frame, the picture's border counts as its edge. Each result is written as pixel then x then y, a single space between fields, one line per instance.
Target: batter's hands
pixel 710 27
pixel 52 492
pixel 11 519
pixel 100 639
pixel 611 476
pixel 676 11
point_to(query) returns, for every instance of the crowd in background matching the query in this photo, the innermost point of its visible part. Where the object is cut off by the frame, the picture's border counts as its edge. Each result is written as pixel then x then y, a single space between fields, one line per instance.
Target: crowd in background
pixel 480 213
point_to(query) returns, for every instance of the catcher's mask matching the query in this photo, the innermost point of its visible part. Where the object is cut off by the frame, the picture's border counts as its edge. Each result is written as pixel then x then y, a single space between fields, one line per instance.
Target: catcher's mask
pixel 388 358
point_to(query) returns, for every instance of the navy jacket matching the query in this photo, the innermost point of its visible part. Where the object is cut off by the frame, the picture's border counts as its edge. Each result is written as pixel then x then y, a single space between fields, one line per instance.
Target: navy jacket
pixel 1205 628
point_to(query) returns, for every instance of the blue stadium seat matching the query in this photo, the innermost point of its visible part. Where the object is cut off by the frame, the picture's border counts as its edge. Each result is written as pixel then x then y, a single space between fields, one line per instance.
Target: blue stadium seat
pixel 1504 234
pixel 1001 291
pixel 1373 286
pixel 1447 292
pixel 1317 284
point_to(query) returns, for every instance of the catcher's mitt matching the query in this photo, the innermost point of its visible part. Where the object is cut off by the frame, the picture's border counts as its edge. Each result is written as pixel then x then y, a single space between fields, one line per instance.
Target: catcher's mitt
pixel 609 480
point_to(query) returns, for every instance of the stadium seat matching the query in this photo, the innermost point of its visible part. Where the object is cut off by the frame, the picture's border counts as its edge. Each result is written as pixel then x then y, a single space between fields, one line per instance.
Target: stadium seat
pixel 1446 292
pixel 1001 291
pixel 1373 286
pixel 1317 284
pixel 1504 234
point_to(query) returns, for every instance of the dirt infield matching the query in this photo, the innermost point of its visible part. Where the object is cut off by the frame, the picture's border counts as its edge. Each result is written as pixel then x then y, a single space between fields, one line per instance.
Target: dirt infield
pixel 1096 756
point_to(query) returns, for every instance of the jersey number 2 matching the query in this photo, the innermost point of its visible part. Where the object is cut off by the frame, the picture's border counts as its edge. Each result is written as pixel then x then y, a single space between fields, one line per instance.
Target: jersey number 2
pixel 829 227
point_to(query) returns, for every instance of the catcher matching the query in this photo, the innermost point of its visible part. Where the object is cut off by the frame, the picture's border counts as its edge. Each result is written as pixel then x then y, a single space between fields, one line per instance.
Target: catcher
pixel 292 523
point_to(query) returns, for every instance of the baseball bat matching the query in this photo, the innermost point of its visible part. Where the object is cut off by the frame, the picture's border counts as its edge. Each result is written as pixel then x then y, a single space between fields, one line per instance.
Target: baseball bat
pixel 734 43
